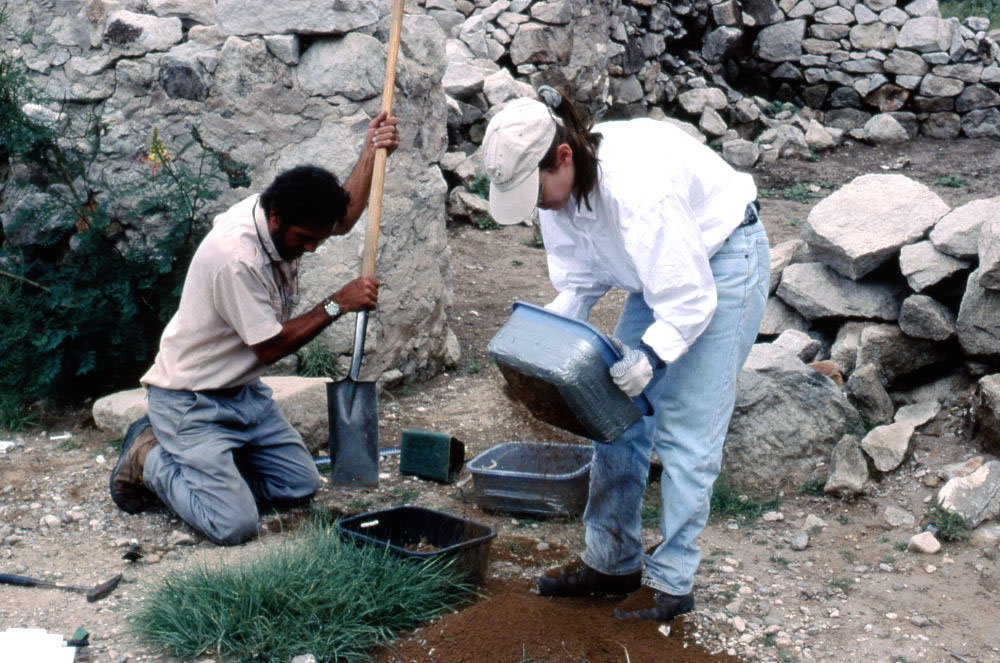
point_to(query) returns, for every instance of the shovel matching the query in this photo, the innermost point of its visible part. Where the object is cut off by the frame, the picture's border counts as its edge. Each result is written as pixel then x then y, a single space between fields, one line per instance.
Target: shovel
pixel 352 404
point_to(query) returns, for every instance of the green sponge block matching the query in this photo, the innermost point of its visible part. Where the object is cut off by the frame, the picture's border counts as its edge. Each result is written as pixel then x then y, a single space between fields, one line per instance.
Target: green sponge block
pixel 431 455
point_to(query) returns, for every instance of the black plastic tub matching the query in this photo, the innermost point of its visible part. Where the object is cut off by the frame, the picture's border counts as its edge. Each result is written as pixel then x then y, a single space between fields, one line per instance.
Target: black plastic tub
pixel 533 478
pixel 419 533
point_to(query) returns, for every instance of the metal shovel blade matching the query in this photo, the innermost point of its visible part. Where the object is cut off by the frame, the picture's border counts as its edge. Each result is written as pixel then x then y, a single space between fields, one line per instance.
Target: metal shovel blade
pixel 353 411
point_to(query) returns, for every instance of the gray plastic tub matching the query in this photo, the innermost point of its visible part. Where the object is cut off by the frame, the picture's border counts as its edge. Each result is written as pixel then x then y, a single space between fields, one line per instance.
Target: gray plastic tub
pixel 558 367
pixel 533 478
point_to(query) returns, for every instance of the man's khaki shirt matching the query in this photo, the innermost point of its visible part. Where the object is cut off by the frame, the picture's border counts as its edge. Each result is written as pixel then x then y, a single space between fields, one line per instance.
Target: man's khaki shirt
pixel 237 293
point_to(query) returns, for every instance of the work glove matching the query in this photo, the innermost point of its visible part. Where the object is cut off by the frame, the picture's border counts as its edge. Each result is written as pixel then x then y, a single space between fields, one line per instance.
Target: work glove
pixel 633 371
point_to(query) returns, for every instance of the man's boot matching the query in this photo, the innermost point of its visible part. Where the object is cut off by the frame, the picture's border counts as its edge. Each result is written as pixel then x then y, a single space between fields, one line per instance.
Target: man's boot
pixel 127 489
pixel 578 579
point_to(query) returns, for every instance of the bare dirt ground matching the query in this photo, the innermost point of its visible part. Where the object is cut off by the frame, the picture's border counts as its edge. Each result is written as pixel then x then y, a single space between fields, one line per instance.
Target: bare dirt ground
pixel 853 594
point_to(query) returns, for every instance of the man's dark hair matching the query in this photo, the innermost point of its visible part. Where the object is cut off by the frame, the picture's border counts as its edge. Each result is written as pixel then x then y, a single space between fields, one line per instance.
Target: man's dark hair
pixel 306 196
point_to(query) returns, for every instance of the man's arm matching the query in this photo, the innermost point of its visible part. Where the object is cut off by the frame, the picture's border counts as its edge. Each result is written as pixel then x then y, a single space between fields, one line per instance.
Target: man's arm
pixel 361 293
pixel 382 133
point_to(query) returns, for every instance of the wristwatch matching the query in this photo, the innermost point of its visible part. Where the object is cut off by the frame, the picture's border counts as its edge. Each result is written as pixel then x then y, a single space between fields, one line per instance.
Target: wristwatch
pixel 332 309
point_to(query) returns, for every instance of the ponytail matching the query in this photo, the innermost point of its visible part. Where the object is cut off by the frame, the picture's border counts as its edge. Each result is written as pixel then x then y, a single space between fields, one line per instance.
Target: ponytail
pixel 572 131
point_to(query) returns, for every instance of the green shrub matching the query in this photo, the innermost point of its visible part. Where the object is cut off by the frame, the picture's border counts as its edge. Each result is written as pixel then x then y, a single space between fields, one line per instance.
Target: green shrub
pixel 481 186
pixel 964 8
pixel 486 223
pixel 84 290
pixel 950 526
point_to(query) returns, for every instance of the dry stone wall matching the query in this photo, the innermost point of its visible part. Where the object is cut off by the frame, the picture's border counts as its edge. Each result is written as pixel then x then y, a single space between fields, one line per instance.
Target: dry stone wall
pixel 273 85
pixel 858 57
pixel 763 79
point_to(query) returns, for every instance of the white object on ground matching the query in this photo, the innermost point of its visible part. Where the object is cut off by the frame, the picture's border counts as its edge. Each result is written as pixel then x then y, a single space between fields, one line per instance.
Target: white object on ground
pixel 34 645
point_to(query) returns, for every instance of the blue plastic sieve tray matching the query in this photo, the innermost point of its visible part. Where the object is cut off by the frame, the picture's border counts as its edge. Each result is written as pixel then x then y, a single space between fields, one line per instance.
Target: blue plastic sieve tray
pixel 558 368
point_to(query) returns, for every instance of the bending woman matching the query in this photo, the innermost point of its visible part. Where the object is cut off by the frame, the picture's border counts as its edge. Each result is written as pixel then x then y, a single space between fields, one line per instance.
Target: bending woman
pixel 641 206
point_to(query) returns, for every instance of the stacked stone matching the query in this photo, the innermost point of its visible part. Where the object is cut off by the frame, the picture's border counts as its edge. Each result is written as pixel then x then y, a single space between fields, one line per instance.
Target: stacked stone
pixel 856 58
pixel 864 69
pixel 274 85
pixel 898 293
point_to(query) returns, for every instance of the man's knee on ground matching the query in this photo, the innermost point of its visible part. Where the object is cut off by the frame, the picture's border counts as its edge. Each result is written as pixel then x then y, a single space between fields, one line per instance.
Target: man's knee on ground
pixel 303 488
pixel 234 532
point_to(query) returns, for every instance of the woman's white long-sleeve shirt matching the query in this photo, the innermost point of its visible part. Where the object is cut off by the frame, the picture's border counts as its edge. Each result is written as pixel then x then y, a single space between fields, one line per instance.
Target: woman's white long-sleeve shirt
pixel 663 205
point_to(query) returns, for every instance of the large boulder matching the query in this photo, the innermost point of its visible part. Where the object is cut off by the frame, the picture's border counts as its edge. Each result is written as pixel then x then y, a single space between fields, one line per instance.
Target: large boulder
pixel 816 291
pixel 301 400
pixel 863 224
pixel 262 111
pixel 787 420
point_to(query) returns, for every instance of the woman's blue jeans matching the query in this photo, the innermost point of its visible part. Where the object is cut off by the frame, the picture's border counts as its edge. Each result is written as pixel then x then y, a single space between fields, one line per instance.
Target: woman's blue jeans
pixel 692 400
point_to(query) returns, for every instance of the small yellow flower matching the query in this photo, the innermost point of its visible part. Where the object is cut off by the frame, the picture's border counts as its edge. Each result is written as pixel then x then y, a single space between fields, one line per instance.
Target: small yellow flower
pixel 158 153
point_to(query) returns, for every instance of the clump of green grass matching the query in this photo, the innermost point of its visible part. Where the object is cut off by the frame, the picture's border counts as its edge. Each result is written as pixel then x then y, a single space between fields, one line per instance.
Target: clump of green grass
pixel 317 361
pixel 15 415
pixel 950 526
pixel 727 502
pixel 950 181
pixel 315 595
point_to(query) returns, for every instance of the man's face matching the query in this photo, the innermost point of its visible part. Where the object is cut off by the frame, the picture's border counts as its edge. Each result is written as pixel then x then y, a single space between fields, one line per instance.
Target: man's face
pixel 292 241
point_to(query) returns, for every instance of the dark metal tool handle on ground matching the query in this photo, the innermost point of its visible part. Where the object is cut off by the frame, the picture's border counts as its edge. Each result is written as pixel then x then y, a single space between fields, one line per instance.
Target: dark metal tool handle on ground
pixel 95 593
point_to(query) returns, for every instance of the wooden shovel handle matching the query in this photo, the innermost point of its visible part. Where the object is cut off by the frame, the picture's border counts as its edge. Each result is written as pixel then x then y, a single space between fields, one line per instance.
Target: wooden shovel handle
pixel 381 154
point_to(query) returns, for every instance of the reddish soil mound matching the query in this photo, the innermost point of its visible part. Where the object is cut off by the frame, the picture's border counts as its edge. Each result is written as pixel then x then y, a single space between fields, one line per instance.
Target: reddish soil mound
pixel 510 624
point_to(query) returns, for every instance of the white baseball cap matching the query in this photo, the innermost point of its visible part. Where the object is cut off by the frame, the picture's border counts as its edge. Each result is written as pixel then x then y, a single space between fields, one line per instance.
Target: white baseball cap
pixel 515 142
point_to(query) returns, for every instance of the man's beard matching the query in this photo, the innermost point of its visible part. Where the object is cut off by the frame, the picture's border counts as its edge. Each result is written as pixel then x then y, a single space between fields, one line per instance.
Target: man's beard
pixel 284 251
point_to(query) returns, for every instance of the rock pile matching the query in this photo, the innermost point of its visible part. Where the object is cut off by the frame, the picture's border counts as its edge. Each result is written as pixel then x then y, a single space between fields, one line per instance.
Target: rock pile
pixel 898 293
pixel 864 69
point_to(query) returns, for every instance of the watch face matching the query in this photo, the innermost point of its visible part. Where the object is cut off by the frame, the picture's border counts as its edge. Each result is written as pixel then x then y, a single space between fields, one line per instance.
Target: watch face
pixel 332 309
